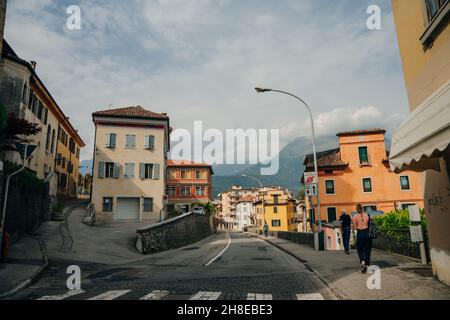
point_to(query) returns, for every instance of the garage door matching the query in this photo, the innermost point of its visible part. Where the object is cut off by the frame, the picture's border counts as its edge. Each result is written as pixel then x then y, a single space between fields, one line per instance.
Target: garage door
pixel 128 208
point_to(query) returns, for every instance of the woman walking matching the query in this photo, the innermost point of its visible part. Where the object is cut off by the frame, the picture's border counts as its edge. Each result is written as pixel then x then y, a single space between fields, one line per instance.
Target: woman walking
pixel 363 240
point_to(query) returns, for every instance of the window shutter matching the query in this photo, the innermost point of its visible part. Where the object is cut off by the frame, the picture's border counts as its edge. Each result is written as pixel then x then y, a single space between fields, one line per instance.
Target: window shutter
pixel 151 142
pixel 116 170
pixel 146 144
pixel 108 140
pixel 113 140
pixel 101 169
pixel 142 170
pixel 156 170
pixel 127 141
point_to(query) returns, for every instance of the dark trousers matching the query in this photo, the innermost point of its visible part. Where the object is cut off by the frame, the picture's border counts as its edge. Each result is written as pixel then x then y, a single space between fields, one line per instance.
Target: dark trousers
pixel 346 238
pixel 364 246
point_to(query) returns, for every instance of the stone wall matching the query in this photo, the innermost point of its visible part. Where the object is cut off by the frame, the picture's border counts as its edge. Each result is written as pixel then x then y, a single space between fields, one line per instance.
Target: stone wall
pixel 306 238
pixel 174 233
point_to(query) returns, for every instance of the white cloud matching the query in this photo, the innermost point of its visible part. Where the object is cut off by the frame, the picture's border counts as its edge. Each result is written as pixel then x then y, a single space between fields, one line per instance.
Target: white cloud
pixel 199 60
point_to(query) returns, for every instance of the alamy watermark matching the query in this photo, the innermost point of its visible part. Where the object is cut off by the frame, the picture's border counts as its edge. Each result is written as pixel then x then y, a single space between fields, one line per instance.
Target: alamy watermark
pixel 374 281
pixel 74 280
pixel 73 22
pixel 374 20
pixel 237 146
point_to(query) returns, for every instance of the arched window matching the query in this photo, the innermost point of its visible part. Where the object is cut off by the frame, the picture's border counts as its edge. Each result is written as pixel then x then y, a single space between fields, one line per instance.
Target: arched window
pixel 47 141
pixel 53 142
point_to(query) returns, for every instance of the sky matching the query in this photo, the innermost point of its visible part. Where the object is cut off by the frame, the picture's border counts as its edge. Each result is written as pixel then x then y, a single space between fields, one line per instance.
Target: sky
pixel 201 59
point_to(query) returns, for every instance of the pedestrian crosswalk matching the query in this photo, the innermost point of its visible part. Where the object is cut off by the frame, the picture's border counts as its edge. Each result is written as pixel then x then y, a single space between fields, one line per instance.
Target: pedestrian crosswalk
pixel 164 294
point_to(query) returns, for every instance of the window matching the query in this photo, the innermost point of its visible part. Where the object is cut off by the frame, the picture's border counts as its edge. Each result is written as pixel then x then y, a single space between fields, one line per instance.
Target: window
pixel 172 174
pixel 53 141
pixel 47 140
pixel 58 159
pixel 148 171
pixel 184 174
pixel 363 155
pixel 72 145
pixel 404 183
pixel 108 170
pixel 331 214
pixel 185 191
pixel 275 199
pixel 129 170
pixel 407 205
pixel 329 186
pixel 367 185
pixel 40 110
pixel 110 140
pixel 24 93
pixel 107 204
pixel 30 99
pixel 200 191
pixel 149 142
pixel 78 153
pixel 45 116
pixel 63 162
pixel 198 175
pixel 130 141
pixel 63 180
pixel 276 223
pixel 275 209
pixel 172 191
pixel 369 208
pixel 433 7
pixel 148 204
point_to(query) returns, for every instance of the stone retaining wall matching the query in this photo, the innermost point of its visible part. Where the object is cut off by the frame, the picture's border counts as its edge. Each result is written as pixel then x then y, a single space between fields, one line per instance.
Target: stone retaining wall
pixel 174 233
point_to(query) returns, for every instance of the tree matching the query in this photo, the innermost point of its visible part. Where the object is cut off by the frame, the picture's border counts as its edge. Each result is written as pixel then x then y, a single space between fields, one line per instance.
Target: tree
pixel 16 131
pixel 301 194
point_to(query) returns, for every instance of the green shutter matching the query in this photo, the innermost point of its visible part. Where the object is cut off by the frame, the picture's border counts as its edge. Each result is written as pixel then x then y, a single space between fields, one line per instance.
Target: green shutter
pixel 156 171
pixel 101 169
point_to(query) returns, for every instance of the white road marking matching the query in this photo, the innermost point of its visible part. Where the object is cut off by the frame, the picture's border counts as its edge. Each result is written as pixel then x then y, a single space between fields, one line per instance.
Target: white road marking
pixel 110 295
pixel 259 296
pixel 221 252
pixel 310 296
pixel 206 295
pixel 63 296
pixel 155 295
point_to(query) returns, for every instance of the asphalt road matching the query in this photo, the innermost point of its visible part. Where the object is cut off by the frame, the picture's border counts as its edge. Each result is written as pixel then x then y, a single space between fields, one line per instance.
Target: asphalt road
pixel 225 266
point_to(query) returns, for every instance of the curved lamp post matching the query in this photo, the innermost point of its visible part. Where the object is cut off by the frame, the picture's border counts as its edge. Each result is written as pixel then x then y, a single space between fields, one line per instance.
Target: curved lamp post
pixel 263 209
pixel 261 90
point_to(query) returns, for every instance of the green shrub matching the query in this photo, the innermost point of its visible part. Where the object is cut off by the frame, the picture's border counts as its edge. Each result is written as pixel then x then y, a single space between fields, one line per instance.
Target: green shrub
pixel 396 220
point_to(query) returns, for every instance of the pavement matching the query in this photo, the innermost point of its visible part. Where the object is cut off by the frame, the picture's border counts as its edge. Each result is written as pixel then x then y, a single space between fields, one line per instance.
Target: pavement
pixel 401 278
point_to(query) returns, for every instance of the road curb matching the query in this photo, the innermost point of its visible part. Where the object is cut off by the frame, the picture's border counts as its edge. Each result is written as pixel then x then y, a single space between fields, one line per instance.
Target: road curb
pixel 31 279
pixel 338 293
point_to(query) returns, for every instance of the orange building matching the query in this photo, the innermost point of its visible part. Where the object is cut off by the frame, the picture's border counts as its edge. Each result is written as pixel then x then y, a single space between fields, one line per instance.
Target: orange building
pixel 188 184
pixel 358 172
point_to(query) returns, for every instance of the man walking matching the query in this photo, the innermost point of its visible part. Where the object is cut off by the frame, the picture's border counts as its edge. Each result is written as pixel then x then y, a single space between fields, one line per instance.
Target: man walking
pixel 266 229
pixel 363 240
pixel 346 222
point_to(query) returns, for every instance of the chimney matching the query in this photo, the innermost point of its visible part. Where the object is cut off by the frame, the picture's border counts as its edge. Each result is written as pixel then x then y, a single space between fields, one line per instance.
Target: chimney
pixel 33 63
pixel 2 21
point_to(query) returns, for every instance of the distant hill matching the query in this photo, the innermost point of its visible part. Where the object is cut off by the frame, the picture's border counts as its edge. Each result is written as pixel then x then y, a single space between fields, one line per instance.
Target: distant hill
pixel 290 171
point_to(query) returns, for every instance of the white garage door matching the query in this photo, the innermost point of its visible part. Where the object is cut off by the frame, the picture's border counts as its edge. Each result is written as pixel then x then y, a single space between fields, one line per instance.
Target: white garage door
pixel 128 208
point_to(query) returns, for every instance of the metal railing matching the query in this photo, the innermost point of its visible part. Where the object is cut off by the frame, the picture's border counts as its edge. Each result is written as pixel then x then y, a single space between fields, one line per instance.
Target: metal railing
pixel 399 241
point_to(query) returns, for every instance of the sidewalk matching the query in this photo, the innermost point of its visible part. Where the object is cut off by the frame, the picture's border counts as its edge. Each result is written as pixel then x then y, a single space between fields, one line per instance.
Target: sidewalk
pixel 26 260
pixel 401 278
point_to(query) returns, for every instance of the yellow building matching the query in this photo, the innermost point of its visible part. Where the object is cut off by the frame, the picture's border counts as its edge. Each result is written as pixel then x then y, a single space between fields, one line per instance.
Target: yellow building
pixel 279 210
pixel 422 142
pixel 67 159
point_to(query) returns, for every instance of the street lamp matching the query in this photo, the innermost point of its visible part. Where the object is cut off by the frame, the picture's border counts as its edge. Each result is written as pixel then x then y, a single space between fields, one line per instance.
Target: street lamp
pixel 263 208
pixel 263 90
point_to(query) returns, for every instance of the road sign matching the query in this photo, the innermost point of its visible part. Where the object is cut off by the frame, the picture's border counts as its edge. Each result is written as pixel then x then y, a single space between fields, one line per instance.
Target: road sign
pixel 416 233
pixel 311 189
pixel 310 178
pixel 165 199
pixel 414 213
pixel 21 149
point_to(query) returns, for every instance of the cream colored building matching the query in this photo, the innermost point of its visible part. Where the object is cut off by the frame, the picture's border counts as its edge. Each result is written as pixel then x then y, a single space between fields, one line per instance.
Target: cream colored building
pixel 129 166
pixel 422 142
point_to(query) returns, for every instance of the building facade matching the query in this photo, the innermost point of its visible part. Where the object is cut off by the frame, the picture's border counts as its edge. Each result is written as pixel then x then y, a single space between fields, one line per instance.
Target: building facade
pixel 22 92
pixel 188 184
pixel 421 143
pixel 129 166
pixel 358 172
pixel 245 212
pixel 279 211
pixel 228 205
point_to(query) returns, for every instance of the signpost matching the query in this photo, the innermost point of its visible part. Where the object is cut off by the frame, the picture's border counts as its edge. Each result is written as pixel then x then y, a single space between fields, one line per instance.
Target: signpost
pixel 416 231
pixel 310 184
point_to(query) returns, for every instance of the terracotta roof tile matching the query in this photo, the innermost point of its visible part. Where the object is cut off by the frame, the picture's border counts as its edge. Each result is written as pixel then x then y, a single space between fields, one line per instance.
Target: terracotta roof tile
pixel 326 159
pixel 131 112
pixel 187 163
pixel 361 132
